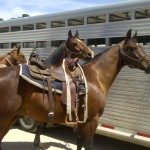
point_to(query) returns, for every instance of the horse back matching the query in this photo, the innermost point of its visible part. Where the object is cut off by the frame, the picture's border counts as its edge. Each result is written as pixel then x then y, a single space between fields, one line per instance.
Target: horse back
pixel 9 78
pixel 9 99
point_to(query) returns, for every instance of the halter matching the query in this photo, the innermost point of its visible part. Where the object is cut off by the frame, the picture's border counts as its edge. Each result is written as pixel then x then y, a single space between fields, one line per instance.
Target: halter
pixel 124 54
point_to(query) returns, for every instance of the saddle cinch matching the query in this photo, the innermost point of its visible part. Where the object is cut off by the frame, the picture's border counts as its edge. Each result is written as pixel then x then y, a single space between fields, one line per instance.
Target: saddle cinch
pixel 53 80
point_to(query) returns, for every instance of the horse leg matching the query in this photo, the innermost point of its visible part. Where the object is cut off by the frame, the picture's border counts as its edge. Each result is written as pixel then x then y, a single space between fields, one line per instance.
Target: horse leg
pixel 37 141
pixel 85 134
pixel 5 126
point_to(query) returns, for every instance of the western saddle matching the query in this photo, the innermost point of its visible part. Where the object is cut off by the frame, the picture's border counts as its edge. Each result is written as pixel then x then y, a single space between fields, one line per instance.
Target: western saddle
pixel 40 70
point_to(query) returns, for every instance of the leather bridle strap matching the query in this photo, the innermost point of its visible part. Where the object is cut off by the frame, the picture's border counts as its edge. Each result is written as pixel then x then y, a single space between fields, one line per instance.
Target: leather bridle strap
pixel 71 52
pixel 9 61
pixel 122 52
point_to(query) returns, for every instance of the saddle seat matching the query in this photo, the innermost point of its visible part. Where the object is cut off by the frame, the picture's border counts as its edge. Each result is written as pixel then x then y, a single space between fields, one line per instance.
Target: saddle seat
pixel 38 62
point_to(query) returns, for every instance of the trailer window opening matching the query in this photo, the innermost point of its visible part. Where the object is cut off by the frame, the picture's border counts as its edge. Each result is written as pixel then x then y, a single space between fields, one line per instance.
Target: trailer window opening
pixel 56 24
pixel 41 25
pixel 119 16
pixel 96 19
pixel 141 14
pixel 28 44
pixel 41 44
pixel 75 21
pixel 15 28
pixel 115 40
pixel 96 42
pixel 145 40
pixel 4 29
pixel 16 44
pixel 4 45
pixel 28 27
pixel 56 43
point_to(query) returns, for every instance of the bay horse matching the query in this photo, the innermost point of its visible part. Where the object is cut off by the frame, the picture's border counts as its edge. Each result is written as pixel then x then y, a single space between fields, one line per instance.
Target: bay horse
pixel 18 97
pixel 15 57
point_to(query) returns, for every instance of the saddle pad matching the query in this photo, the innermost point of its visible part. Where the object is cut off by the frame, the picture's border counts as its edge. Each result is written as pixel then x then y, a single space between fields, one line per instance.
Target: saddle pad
pixel 42 84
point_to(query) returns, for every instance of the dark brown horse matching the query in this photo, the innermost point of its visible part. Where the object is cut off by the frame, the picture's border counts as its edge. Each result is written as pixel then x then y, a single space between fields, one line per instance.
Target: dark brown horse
pixel 18 97
pixel 14 57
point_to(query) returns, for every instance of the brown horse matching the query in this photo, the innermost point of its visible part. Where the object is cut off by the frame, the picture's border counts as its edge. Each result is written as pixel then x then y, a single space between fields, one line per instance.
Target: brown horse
pixel 73 48
pixel 14 57
pixel 18 97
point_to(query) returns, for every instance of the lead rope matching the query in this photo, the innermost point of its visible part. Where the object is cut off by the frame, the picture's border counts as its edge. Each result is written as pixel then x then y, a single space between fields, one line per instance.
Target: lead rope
pixel 68 92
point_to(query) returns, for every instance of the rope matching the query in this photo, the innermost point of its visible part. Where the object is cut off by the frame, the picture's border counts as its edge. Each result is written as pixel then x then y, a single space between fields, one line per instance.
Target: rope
pixel 68 92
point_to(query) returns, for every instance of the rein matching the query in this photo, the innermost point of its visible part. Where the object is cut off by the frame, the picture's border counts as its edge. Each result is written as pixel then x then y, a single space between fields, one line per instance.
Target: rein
pixel 15 61
pixel 125 55
pixel 9 61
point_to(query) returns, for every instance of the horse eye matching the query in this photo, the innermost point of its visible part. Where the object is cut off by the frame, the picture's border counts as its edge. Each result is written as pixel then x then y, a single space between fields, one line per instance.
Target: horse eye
pixel 75 44
pixel 134 48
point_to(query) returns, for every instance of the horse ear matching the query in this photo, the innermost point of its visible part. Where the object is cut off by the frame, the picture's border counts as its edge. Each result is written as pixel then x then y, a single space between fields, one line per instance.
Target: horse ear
pixel 77 34
pixel 69 34
pixel 128 35
pixel 135 35
pixel 14 47
pixel 18 49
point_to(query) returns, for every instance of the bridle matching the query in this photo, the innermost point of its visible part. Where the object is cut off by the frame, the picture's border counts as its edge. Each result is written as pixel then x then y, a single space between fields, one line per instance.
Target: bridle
pixel 71 52
pixel 121 50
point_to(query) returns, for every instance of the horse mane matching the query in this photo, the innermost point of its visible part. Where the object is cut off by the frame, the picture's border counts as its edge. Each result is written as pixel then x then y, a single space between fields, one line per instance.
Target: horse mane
pixel 96 56
pixel 56 57
pixel 2 57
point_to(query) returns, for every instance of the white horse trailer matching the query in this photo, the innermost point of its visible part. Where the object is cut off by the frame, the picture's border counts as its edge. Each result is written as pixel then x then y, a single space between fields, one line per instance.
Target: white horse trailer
pixel 127 112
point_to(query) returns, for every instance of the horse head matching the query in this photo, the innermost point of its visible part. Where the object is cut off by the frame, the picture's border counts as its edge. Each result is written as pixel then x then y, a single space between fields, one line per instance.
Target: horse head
pixel 133 54
pixel 17 55
pixel 76 48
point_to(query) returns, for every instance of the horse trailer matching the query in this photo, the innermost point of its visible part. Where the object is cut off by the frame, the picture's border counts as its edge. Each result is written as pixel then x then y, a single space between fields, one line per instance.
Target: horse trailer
pixel 127 113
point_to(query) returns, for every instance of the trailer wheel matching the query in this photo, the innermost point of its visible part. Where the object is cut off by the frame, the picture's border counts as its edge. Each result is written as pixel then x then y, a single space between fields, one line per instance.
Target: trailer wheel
pixel 27 124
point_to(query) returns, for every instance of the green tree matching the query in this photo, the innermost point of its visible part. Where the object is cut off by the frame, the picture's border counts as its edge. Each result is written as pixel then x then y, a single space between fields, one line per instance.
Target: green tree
pixel 25 15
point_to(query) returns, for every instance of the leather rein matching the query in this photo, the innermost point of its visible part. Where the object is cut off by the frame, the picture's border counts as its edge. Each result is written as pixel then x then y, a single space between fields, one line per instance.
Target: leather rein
pixel 11 64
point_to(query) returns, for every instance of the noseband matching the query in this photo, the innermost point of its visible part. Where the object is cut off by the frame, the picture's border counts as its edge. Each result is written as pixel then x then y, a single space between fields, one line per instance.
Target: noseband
pixel 125 55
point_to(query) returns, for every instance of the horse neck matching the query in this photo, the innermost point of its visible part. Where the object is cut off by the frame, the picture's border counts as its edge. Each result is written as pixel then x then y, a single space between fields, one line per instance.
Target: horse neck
pixel 105 67
pixel 8 60
pixel 56 58
pixel 3 60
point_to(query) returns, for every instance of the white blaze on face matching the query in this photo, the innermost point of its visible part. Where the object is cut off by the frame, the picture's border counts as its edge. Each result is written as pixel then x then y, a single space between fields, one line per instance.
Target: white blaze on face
pixel 86 46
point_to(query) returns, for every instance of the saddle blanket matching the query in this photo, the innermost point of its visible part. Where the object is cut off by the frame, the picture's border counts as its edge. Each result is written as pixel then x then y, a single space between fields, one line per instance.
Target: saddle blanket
pixel 57 86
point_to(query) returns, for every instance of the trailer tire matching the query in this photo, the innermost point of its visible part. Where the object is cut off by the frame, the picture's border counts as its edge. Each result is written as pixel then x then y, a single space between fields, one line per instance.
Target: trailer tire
pixel 27 124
